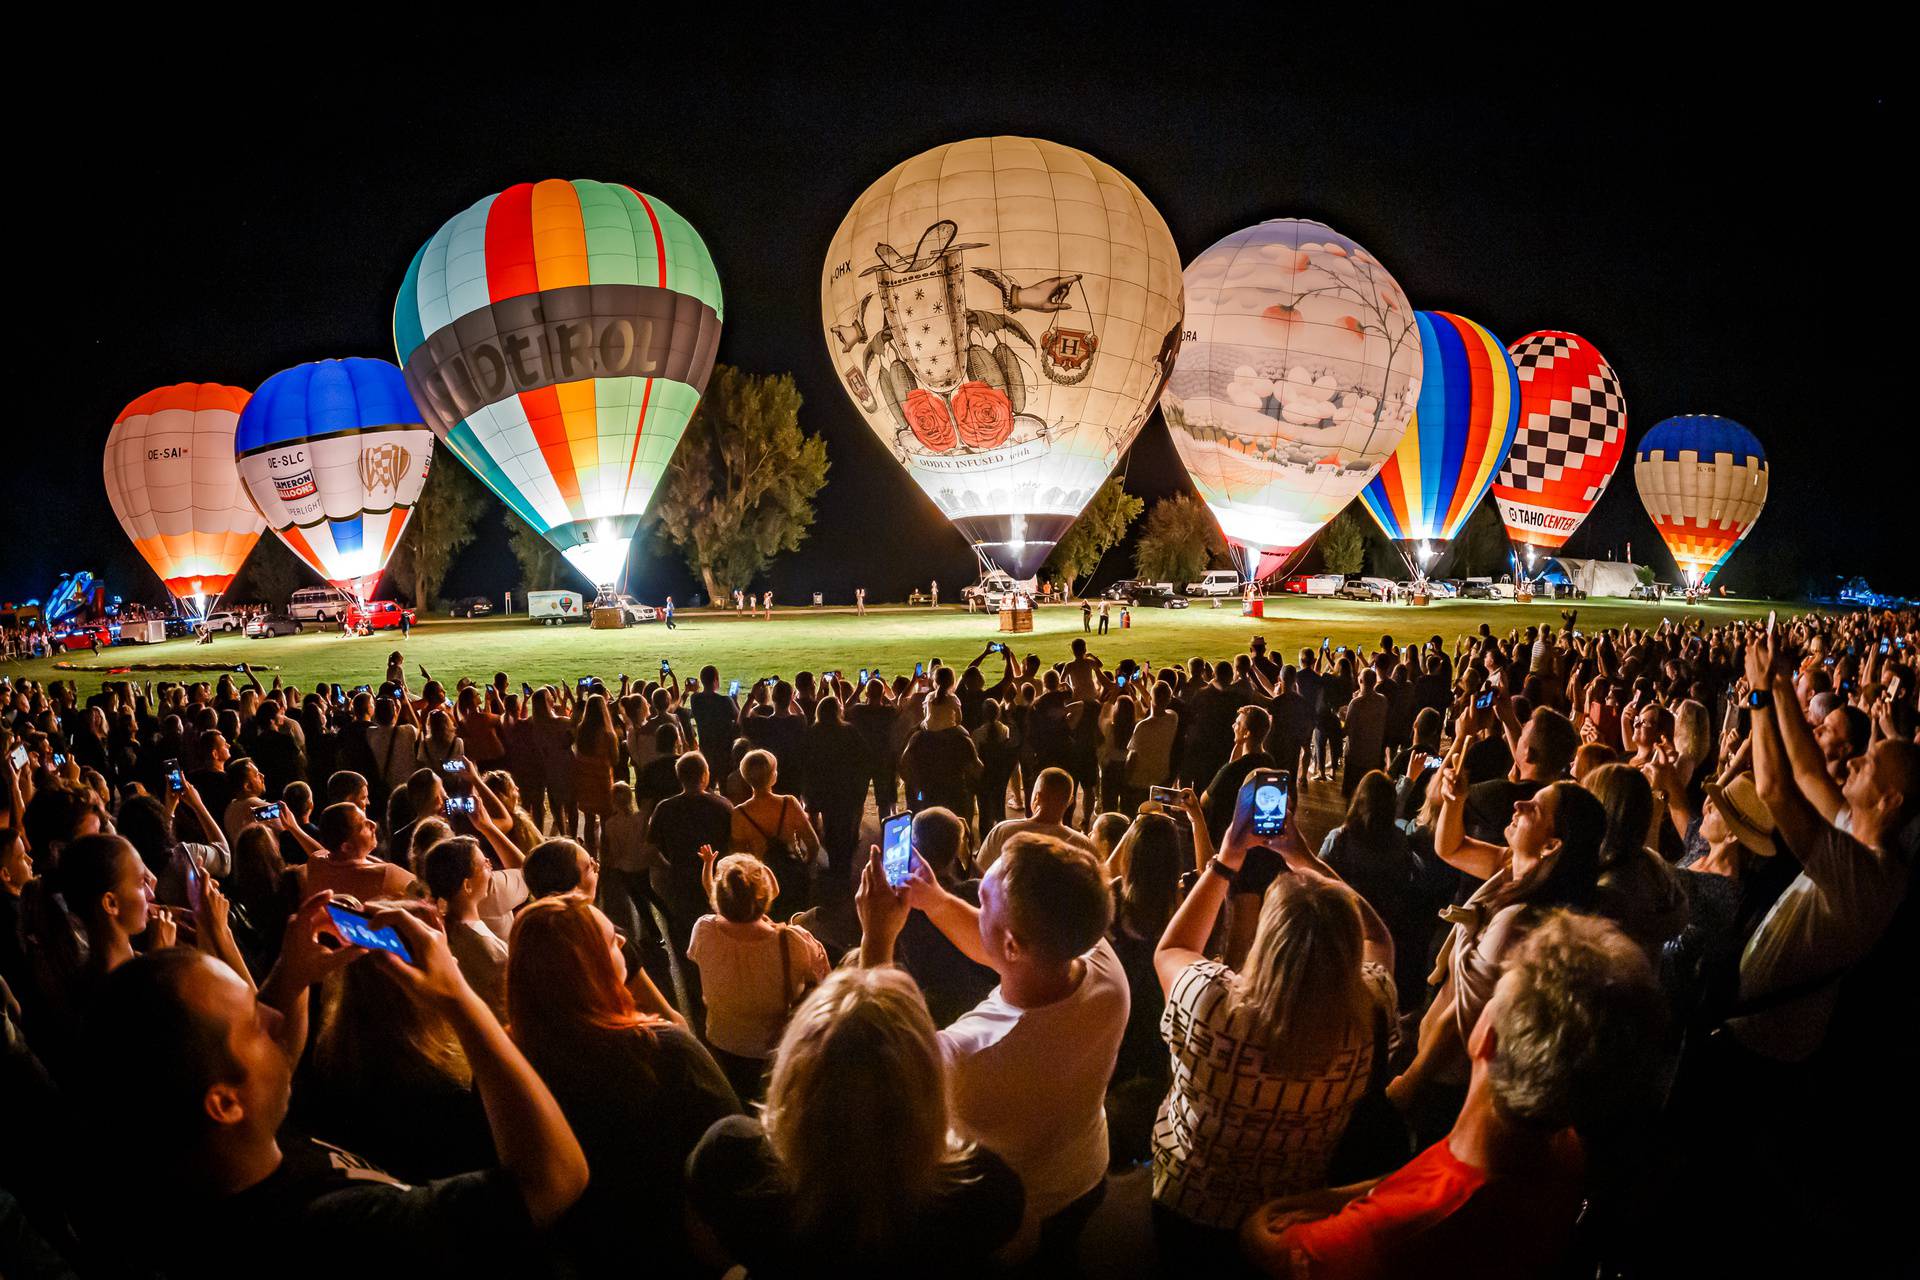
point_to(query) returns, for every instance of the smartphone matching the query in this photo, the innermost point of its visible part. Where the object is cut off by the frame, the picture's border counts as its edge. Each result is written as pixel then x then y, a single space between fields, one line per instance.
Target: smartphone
pixel 176 780
pixel 339 695
pixel 996 647
pixel 196 887
pixel 666 668
pixel 358 931
pixel 919 670
pixel 1485 699
pixel 19 756
pixel 1263 799
pixel 586 683
pixel 733 688
pixel 365 688
pixel 59 758
pixel 458 805
pixel 1325 643
pixel 526 691
pixel 771 681
pixel 267 812
pixel 863 675
pixel 1169 796
pixel 896 848
pixel 1120 681
pixel 453 768
pixel 1886 646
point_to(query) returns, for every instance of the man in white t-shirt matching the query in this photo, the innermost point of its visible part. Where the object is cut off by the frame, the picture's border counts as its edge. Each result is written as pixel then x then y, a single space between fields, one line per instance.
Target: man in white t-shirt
pixel 1052 802
pixel 1027 1068
pixel 1150 749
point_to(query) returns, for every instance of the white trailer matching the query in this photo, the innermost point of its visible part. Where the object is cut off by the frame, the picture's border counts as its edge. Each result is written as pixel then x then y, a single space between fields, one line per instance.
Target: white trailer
pixel 555 608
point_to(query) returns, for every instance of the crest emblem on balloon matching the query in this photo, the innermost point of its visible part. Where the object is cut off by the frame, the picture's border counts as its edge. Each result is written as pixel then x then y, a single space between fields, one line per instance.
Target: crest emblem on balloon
pixel 1294 385
pixel 1003 312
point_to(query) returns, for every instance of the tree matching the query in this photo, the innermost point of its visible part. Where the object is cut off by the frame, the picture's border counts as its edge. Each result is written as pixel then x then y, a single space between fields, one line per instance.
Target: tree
pixel 270 575
pixel 451 504
pixel 1343 543
pixel 1099 529
pixel 740 488
pixel 1179 543
pixel 542 567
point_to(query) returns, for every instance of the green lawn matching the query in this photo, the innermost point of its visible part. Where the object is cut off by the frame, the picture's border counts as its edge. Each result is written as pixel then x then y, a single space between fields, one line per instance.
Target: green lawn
pixel 891 640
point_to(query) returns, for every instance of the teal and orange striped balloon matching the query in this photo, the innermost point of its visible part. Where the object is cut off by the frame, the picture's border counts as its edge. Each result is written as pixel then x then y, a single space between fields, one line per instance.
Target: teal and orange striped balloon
pixel 558 336
pixel 1463 425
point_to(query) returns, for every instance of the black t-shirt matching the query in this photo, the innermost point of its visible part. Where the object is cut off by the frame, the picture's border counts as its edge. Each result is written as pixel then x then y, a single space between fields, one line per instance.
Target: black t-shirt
pixel 1223 792
pixel 951 981
pixel 327 1212
pixel 734 1184
pixel 681 824
pixel 717 720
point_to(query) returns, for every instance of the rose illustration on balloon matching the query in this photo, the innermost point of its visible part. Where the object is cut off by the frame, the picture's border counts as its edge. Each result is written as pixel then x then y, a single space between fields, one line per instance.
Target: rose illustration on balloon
pixel 928 417
pixel 984 413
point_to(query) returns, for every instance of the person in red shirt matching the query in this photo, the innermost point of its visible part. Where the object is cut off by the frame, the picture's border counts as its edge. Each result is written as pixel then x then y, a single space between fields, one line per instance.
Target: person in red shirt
pixel 1563 1045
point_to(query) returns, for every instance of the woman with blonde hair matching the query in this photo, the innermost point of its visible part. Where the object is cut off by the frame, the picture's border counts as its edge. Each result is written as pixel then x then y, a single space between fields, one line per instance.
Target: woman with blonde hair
pixel 773 827
pixel 387 1078
pixel 596 749
pixel 851 1168
pixel 752 970
pixel 1270 1061
pixel 636 1087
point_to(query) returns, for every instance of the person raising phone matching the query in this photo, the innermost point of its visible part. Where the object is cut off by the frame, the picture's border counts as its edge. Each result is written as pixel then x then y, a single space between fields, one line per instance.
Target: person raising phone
pixel 1300 1024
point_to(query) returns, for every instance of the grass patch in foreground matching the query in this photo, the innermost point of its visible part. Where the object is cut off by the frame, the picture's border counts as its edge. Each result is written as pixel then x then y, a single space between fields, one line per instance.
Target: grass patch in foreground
pixel 890 640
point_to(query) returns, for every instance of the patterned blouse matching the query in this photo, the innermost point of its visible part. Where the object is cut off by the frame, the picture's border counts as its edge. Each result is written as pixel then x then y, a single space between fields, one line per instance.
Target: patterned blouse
pixel 1230 1134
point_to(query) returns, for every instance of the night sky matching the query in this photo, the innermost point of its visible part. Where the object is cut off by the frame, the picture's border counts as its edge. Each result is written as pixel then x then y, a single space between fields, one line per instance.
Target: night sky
pixel 1718 220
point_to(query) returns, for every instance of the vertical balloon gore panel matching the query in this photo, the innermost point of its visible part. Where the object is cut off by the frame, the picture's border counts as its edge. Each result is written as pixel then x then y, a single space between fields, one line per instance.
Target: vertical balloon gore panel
pixel 1003 313
pixel 1294 383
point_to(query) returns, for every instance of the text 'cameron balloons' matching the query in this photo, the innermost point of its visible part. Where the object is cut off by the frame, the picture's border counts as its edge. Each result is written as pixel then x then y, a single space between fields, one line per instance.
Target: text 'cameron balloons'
pixel 1004 312
pixel 1704 481
pixel 1294 384
pixel 174 488
pixel 1573 429
pixel 335 454
pixel 558 336
pixel 1463 424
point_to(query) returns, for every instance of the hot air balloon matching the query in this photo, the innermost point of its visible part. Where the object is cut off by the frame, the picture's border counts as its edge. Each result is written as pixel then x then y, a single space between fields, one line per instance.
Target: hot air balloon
pixel 1294 384
pixel 1003 312
pixel 1704 481
pixel 175 490
pixel 1573 429
pixel 1463 424
pixel 558 336
pixel 334 455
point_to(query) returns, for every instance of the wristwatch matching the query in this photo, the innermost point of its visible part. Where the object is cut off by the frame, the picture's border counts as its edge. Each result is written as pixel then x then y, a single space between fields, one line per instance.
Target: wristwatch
pixel 1220 869
pixel 1759 699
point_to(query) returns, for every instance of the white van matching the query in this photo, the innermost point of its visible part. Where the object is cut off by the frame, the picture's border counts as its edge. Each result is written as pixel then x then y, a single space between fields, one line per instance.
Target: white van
pixel 316 604
pixel 1217 582
pixel 555 608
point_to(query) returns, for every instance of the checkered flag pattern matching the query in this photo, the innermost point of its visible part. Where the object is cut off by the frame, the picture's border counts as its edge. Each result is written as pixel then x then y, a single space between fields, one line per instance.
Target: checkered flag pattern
pixel 1585 426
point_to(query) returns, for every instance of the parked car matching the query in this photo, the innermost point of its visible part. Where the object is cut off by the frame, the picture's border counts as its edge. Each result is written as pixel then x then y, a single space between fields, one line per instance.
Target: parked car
pixel 1157 595
pixel 378 615
pixel 1314 584
pixel 317 604
pixel 273 624
pixel 1216 582
pixel 992 589
pixel 635 611
pixel 84 635
pixel 472 607
pixel 1378 590
pixel 1123 589
pixel 1477 589
pixel 1437 589
pixel 223 621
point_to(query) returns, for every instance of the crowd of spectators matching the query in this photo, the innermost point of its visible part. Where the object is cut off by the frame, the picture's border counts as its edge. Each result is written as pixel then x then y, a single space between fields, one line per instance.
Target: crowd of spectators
pixel 1603 972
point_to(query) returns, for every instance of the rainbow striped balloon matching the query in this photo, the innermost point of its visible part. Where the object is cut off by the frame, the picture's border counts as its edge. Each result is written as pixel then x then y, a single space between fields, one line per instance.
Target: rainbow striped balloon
pixel 558 336
pixel 1463 424
pixel 1703 480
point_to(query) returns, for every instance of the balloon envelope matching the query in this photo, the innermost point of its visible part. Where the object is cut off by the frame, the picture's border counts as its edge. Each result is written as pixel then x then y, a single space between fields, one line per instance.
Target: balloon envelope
pixel 334 455
pixel 1294 384
pixel 1703 480
pixel 558 336
pixel 1003 312
pixel 1462 426
pixel 174 488
pixel 1573 429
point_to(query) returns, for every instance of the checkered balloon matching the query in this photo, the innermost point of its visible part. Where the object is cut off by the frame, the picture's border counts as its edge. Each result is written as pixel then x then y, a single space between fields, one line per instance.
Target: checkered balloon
pixel 1573 430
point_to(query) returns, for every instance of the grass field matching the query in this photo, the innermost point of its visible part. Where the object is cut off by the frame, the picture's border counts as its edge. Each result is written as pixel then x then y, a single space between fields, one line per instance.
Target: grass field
pixel 890 640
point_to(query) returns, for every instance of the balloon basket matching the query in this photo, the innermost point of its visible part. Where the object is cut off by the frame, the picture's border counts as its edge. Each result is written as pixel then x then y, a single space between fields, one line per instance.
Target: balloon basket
pixel 1016 619
pixel 1420 598
pixel 1523 597
pixel 1254 609
pixel 609 619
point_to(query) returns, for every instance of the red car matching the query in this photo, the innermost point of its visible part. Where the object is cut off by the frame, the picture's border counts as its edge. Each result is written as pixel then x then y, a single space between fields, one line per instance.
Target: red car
pixel 1295 585
pixel 380 615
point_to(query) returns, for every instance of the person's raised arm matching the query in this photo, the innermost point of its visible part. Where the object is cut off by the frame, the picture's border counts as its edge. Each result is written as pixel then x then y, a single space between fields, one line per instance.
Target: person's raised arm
pixel 310 950
pixel 1796 818
pixel 883 912
pixel 952 915
pixel 1451 843
pixel 1669 788
pixel 1184 940
pixel 1803 754
pixel 1196 811
pixel 530 1135
pixel 511 855
pixel 246 669
pixel 707 857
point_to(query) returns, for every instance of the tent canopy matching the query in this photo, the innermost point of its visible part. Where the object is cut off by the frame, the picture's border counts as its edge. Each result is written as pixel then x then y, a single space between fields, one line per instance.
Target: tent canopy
pixel 1594 577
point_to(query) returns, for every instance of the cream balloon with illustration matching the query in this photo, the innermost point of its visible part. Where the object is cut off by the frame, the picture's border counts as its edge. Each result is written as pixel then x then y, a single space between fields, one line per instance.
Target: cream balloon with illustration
pixel 1004 312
